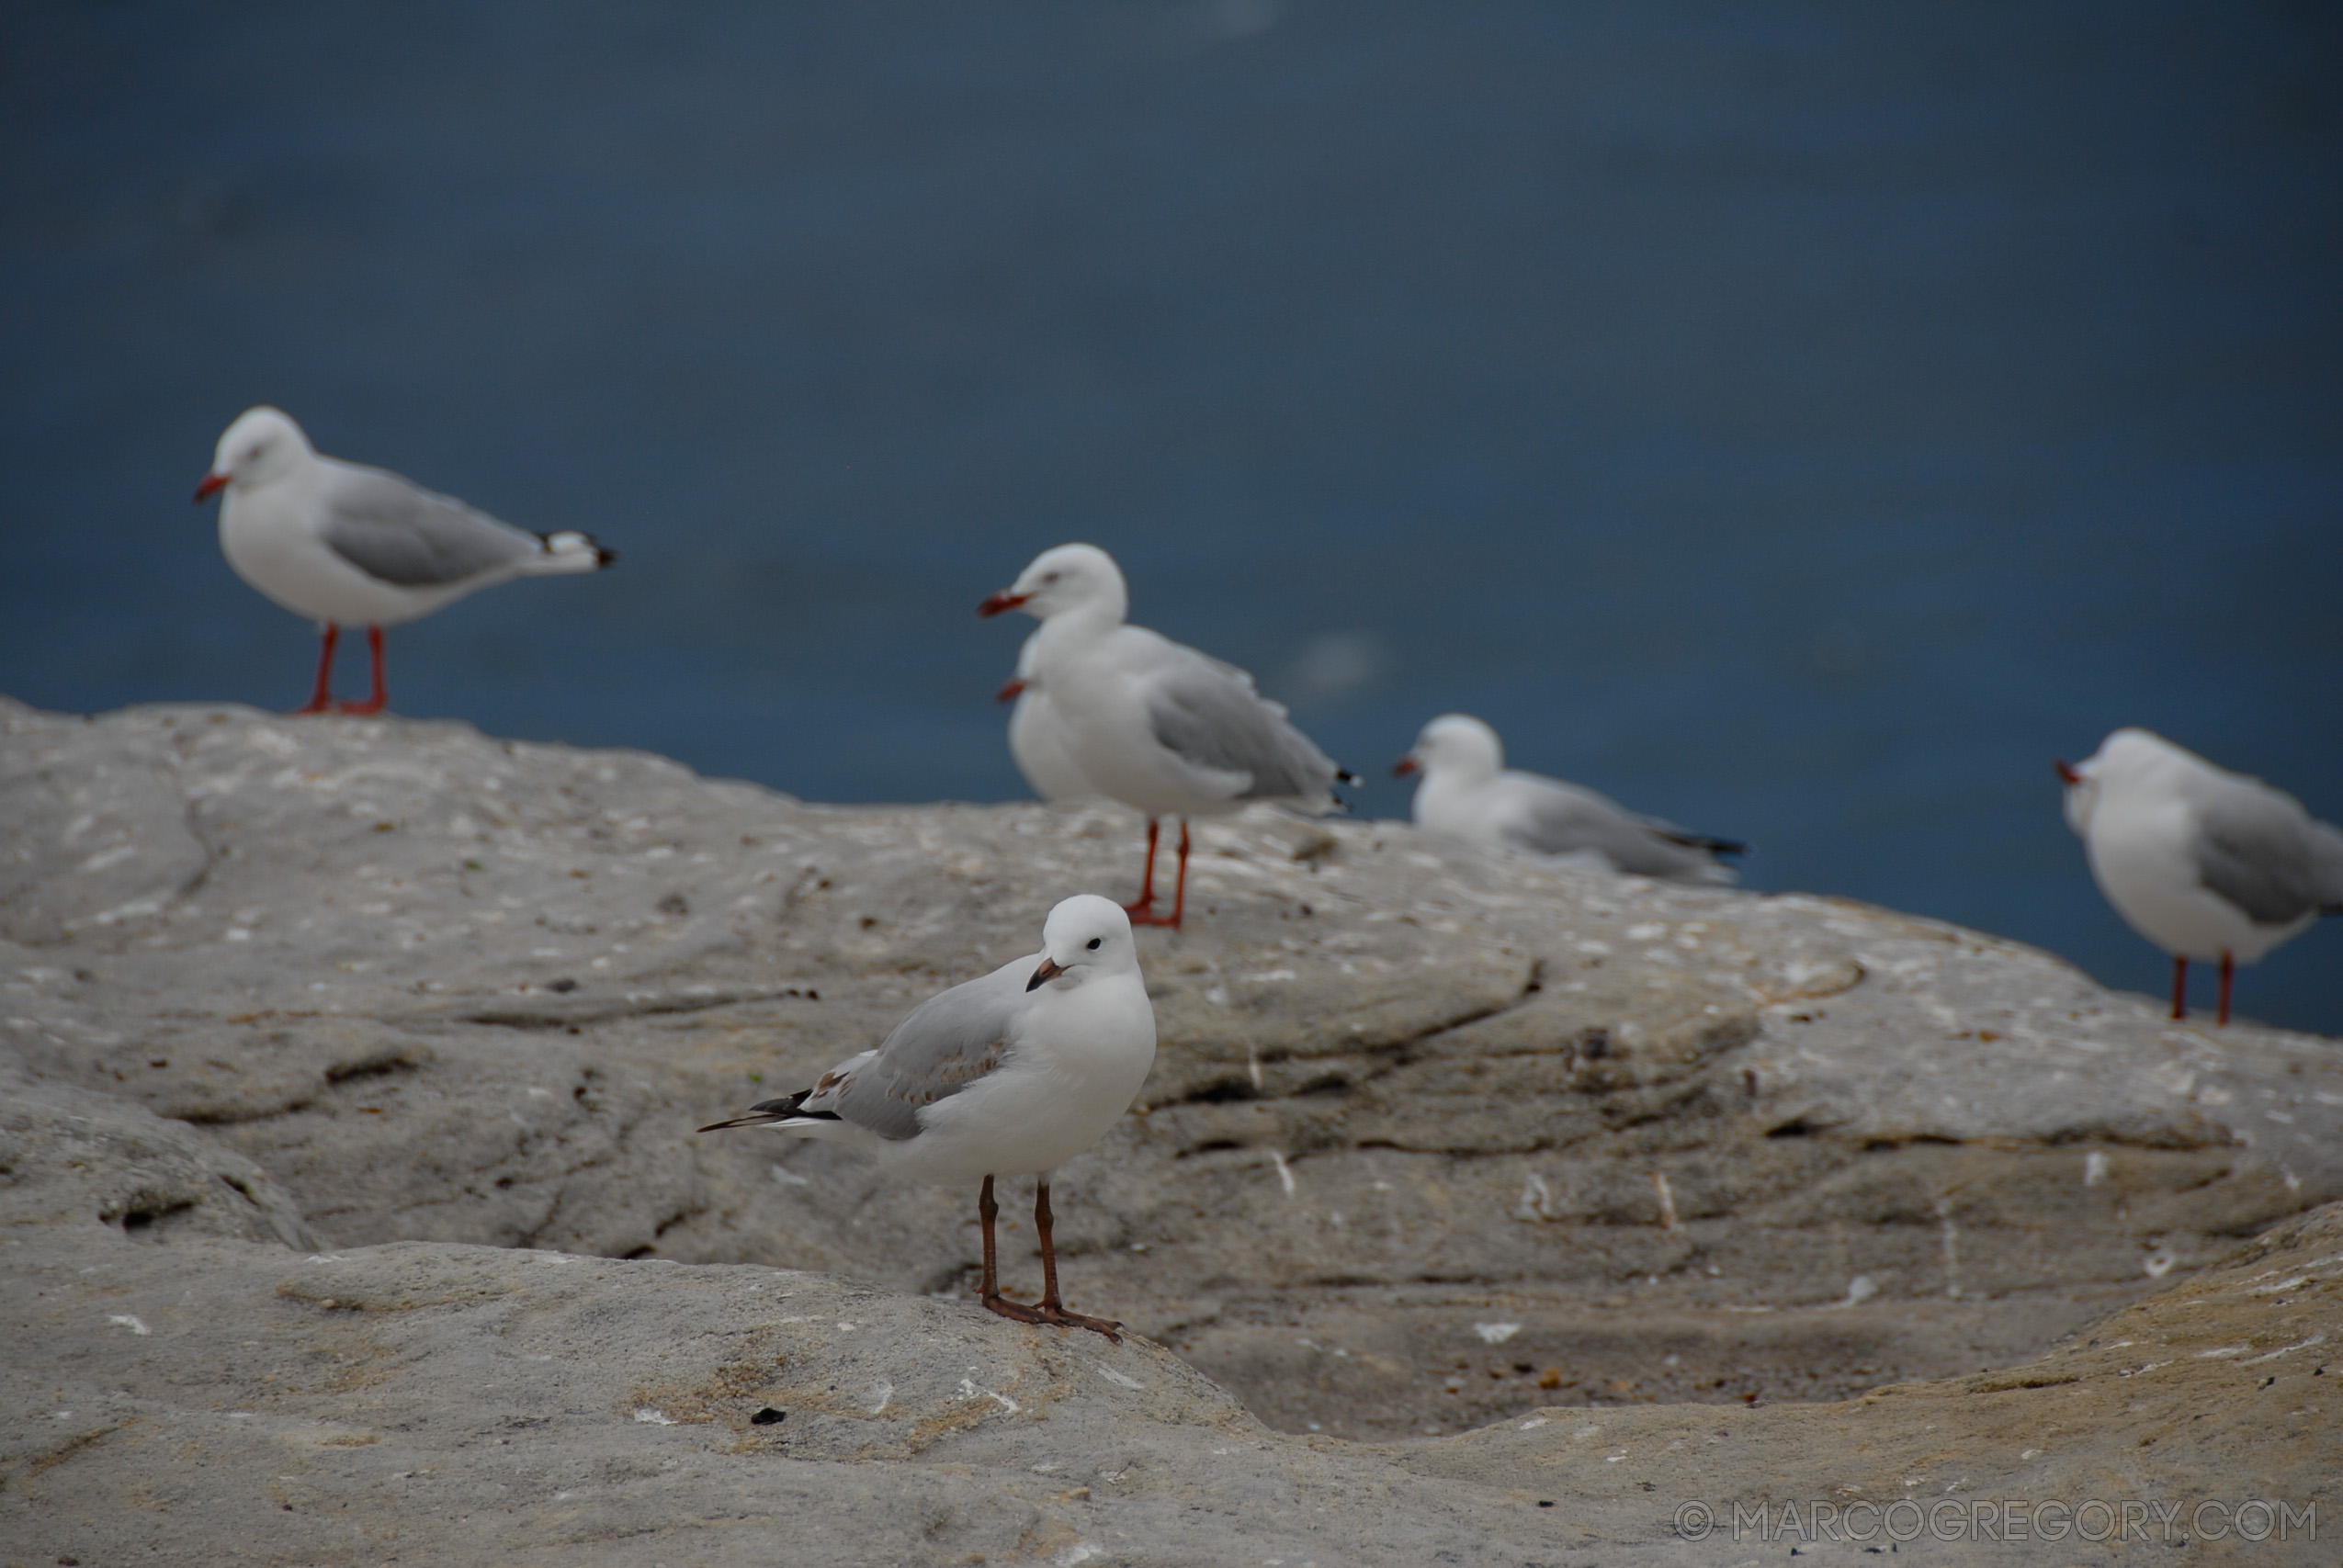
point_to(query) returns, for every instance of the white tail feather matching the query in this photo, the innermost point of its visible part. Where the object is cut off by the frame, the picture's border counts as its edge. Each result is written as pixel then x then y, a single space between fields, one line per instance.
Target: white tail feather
pixel 570 551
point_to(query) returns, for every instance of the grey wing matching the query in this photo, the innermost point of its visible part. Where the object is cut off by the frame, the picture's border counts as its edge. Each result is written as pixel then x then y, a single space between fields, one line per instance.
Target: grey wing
pixel 2258 849
pixel 1208 714
pixel 401 533
pixel 945 1043
pixel 1562 818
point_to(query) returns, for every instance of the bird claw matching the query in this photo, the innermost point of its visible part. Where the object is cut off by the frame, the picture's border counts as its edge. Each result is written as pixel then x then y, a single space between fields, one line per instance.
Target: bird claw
pixel 1016 1312
pixel 1064 1319
pixel 1145 915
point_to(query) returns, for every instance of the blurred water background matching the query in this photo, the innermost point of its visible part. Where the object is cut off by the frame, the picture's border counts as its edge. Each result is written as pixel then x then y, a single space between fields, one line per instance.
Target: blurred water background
pixel 1802 421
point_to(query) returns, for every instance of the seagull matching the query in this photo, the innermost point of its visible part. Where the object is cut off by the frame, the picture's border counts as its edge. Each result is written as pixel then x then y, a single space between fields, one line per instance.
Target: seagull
pixel 1018 1071
pixel 1469 793
pixel 349 546
pixel 1150 722
pixel 1037 736
pixel 2206 863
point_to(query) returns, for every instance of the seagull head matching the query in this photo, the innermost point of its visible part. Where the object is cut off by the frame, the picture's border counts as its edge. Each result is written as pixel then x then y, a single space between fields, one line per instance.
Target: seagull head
pixel 263 444
pixel 1086 935
pixel 2082 782
pixel 1455 745
pixel 1071 577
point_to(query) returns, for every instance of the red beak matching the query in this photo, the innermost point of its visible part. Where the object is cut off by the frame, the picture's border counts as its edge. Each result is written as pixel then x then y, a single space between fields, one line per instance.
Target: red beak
pixel 1011 689
pixel 2067 774
pixel 1403 767
pixel 212 485
pixel 1004 600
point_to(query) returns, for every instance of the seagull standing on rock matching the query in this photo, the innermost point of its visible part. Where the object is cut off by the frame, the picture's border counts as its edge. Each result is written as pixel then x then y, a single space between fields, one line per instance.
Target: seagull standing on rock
pixel 1469 793
pixel 351 545
pixel 1147 721
pixel 2206 863
pixel 1016 1072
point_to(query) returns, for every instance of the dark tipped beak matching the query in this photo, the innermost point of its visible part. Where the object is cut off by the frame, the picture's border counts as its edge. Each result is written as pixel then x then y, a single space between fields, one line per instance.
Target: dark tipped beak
pixel 1004 600
pixel 1050 969
pixel 1011 689
pixel 2067 775
pixel 212 485
pixel 1404 766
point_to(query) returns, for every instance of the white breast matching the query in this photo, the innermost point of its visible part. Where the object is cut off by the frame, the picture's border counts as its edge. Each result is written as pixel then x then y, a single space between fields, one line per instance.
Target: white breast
pixel 1070 1076
pixel 1037 740
pixel 268 534
pixel 2142 856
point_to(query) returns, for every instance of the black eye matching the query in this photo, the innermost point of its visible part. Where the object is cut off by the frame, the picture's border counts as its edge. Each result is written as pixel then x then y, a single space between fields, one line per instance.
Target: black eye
pixel 1094 942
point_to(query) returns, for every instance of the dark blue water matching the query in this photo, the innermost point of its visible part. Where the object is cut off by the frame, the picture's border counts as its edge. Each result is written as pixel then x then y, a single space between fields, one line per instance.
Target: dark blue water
pixel 1805 422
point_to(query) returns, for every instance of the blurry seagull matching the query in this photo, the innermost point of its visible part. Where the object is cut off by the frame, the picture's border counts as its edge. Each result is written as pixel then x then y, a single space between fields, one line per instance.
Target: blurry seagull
pixel 1037 736
pixel 1469 793
pixel 1018 1071
pixel 2205 863
pixel 1150 722
pixel 349 546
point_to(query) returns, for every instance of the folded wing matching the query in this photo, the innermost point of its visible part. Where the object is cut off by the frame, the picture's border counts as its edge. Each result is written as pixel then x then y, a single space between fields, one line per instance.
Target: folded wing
pixel 2259 850
pixel 1556 819
pixel 400 533
pixel 1208 714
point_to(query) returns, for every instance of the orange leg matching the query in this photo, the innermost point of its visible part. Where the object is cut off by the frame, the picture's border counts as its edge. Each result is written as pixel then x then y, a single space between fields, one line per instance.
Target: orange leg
pixel 2228 973
pixel 323 697
pixel 1143 911
pixel 2179 987
pixel 376 698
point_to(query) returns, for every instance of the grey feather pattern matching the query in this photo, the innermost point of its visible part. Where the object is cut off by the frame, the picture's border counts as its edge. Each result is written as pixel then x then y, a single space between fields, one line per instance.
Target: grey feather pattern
pixel 2259 850
pixel 400 533
pixel 1208 714
pixel 945 1043
pixel 1567 819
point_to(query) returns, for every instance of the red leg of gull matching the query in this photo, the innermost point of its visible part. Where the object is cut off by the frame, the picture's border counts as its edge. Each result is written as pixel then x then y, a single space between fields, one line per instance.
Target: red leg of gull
pixel 1142 913
pixel 376 698
pixel 990 1295
pixel 2179 987
pixel 1179 897
pixel 323 697
pixel 2228 972
pixel 1052 1310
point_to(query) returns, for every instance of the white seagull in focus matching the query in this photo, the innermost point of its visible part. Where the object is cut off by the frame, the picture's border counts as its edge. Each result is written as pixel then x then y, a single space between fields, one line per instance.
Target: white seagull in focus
pixel 1018 1071
pixel 1468 792
pixel 1150 722
pixel 2206 863
pixel 345 545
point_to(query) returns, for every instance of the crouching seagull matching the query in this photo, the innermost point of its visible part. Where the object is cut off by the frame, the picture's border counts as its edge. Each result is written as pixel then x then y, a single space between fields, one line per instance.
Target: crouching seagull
pixel 2206 863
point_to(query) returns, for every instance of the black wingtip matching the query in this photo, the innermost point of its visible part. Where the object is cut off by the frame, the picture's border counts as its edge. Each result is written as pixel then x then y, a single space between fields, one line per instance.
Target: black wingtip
pixel 739 1122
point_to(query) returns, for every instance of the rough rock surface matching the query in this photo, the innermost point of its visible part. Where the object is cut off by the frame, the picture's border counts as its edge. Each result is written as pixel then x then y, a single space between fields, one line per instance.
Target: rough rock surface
pixel 1434 1138
pixel 433 1402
